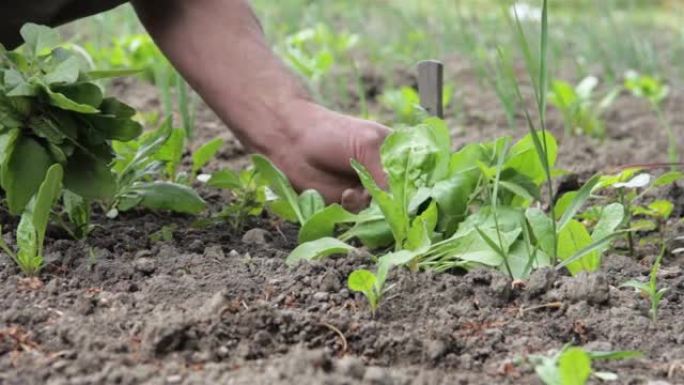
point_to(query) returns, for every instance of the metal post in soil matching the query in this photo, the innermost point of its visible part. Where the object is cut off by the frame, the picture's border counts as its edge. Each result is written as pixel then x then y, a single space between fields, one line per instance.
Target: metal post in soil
pixel 430 85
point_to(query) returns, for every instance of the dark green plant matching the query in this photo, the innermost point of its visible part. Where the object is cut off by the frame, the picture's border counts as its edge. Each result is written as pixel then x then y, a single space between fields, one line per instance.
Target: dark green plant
pixel 53 111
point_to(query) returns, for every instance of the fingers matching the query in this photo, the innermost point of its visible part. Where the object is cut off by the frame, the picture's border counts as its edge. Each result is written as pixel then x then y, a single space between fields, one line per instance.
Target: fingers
pixel 355 199
pixel 366 147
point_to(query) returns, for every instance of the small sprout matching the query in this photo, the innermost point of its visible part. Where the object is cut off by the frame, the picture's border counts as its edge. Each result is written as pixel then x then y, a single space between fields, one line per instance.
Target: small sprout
pixel 365 282
pixel 650 288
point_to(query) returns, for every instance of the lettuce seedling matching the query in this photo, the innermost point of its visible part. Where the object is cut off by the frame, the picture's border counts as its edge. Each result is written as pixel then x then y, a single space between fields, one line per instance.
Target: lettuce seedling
pixel 249 195
pixel 33 223
pixel 573 365
pixel 581 111
pixel 53 111
pixel 650 288
pixel 372 286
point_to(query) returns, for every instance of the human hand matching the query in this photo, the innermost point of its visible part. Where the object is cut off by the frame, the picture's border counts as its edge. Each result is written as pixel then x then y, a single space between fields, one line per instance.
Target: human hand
pixel 319 147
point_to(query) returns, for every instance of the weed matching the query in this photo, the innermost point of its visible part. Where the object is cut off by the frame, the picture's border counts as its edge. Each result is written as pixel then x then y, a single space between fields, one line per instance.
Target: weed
pixel 650 289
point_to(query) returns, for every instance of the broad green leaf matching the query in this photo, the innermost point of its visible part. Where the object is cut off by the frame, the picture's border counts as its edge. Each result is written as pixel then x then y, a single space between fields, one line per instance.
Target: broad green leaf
pixel 310 202
pixel 563 203
pixel 278 183
pixel 89 177
pixel 121 129
pixel 169 196
pixel 662 208
pixel 47 194
pixel 452 196
pixel 205 153
pixel 542 228
pixel 395 215
pixel 612 216
pixel 65 72
pixel 373 231
pixel 471 247
pixel 23 172
pixel 577 202
pixel 227 179
pixel 572 238
pixel 171 152
pixel 322 223
pixel 668 178
pixel 419 234
pixel 62 101
pixel 362 281
pixel 8 138
pixel 39 39
pixel 524 159
pixel 87 94
pixel 317 249
pixel 574 366
pixel 34 220
pixel 563 95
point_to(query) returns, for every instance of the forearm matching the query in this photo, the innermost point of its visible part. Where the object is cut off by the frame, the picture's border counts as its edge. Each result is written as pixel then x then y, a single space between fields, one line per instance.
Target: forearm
pixel 219 47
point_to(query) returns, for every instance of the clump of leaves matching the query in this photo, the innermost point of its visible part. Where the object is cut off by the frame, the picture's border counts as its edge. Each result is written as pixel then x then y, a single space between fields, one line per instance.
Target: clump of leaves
pixel 582 112
pixel 313 51
pixel 33 223
pixel 573 365
pixel 249 195
pixel 52 111
pixel 308 208
pixel 655 92
pixel 650 289
pixel 137 168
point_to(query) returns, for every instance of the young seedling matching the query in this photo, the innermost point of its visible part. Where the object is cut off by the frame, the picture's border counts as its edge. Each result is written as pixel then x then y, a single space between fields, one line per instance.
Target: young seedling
pixel 249 195
pixel 580 109
pixel 33 223
pixel 655 92
pixel 573 365
pixel 372 286
pixel 650 288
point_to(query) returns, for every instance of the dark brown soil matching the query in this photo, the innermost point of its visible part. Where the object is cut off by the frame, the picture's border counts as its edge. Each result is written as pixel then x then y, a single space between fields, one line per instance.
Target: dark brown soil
pixel 209 308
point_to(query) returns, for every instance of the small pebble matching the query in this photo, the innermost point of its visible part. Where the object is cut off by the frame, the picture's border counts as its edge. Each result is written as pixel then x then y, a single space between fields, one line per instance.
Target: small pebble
pixel 256 236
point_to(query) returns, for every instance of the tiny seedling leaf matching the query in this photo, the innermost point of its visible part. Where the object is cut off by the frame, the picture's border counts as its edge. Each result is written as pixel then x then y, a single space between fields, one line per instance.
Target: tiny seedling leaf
pixel 317 249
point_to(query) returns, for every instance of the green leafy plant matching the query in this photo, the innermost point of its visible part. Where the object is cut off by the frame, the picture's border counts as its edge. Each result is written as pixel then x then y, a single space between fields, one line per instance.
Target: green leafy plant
pixel 582 113
pixel 313 51
pixel 650 288
pixel 137 167
pixel 33 223
pixel 372 286
pixel 248 195
pixel 573 365
pixel 52 111
pixel 308 209
pixel 655 92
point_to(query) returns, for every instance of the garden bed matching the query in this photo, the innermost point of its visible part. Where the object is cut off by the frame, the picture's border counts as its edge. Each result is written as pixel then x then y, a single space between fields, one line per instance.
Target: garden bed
pixel 214 306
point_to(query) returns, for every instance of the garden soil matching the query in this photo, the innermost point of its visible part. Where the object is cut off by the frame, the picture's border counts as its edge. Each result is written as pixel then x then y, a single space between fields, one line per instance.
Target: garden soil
pixel 215 306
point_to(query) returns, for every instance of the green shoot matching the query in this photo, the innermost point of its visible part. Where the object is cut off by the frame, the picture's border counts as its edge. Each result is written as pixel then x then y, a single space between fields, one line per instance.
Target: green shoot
pixel 33 224
pixel 650 289
pixel 581 112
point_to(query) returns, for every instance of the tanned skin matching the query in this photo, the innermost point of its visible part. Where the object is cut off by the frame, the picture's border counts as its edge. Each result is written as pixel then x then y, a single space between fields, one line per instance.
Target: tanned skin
pixel 219 47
